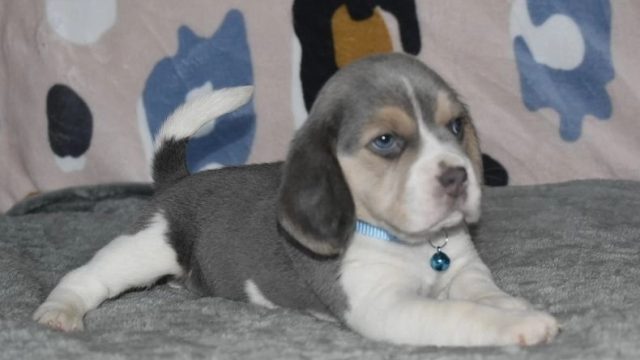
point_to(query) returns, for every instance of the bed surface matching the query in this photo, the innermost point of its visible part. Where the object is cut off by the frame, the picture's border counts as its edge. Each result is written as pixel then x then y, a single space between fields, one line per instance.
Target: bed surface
pixel 572 248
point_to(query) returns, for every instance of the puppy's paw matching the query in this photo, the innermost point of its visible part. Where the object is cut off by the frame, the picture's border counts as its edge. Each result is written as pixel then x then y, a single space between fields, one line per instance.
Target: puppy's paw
pixel 63 317
pixel 528 328
pixel 505 302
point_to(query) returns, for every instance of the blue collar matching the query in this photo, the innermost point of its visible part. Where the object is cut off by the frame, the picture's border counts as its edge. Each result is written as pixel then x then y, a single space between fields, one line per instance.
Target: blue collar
pixel 373 231
pixel 439 261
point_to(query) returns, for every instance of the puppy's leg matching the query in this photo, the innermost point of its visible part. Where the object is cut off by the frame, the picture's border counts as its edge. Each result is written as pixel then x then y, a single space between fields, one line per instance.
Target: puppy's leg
pixel 474 282
pixel 415 320
pixel 128 261
pixel 389 292
pixel 390 307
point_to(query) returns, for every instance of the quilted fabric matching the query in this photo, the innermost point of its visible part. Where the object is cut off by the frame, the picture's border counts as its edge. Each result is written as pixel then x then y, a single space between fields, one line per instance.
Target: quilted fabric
pixel 570 248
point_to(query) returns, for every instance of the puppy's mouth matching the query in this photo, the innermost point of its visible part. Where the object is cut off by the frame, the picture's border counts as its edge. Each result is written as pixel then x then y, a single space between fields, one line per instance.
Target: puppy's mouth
pixel 454 213
pixel 464 207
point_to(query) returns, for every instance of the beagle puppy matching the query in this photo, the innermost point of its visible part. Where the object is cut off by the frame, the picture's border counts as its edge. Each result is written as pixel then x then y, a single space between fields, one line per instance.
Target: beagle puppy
pixel 364 221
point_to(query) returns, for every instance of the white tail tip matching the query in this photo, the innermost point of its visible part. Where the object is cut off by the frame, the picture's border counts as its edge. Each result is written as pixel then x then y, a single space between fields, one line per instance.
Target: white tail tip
pixel 191 116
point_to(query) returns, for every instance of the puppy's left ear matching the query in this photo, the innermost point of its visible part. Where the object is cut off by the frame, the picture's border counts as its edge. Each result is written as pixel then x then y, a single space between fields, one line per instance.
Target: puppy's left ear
pixel 471 146
pixel 314 204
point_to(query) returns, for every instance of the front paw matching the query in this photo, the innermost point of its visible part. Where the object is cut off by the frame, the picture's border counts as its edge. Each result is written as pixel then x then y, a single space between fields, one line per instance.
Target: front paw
pixel 58 316
pixel 527 328
pixel 505 302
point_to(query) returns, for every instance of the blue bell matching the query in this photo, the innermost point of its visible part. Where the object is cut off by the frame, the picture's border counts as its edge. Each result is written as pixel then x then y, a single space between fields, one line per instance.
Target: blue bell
pixel 440 261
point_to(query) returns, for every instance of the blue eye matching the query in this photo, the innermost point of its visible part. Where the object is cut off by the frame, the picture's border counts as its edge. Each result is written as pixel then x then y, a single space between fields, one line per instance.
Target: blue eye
pixel 384 141
pixel 387 145
pixel 456 126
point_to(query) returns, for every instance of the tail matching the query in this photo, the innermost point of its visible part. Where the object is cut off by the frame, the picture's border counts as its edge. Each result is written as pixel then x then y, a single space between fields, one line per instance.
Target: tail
pixel 169 159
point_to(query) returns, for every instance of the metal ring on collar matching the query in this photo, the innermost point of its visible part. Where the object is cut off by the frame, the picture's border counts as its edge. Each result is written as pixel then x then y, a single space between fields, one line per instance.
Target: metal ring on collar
pixel 446 241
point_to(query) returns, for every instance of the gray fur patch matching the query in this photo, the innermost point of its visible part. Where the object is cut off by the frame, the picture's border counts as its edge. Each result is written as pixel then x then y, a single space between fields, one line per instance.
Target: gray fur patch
pixel 224 228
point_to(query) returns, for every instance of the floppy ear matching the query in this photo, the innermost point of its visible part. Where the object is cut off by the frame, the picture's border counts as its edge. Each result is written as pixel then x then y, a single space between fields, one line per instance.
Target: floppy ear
pixel 471 146
pixel 315 206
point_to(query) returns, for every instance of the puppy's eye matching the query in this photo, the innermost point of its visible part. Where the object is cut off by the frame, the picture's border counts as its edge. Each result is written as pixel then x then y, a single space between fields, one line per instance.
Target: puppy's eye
pixel 387 145
pixel 456 126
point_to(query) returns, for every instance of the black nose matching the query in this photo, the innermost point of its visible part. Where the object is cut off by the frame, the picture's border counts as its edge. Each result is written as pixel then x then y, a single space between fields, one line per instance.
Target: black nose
pixel 453 180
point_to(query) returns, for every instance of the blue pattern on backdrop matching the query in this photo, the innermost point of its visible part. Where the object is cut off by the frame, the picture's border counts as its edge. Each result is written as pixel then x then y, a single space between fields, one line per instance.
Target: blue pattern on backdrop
pixel 223 60
pixel 580 91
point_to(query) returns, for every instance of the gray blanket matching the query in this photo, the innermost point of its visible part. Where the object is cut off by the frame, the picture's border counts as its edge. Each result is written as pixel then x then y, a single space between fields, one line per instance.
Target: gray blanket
pixel 571 248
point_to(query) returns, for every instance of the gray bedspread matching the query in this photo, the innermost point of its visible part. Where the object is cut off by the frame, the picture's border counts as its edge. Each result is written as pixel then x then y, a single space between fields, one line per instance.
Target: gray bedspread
pixel 571 248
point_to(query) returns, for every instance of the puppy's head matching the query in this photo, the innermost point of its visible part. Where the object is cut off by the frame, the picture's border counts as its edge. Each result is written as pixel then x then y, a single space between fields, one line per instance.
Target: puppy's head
pixel 389 142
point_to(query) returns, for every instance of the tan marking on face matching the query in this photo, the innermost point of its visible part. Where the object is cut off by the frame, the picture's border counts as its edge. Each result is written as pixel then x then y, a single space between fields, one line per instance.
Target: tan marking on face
pixel 389 119
pixel 378 184
pixel 446 109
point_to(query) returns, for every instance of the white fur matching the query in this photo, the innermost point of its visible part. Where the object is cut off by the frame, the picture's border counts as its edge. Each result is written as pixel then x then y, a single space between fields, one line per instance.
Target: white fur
pixel 194 114
pixel 429 208
pixel 414 101
pixel 425 172
pixel 256 296
pixel 128 261
pixel 395 296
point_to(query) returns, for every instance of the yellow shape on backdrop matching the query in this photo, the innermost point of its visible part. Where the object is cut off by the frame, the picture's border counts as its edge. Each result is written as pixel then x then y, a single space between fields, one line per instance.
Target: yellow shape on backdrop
pixel 353 39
